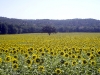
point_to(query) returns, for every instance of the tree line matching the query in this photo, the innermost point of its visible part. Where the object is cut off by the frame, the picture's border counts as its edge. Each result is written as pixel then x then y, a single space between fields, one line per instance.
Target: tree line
pixel 18 26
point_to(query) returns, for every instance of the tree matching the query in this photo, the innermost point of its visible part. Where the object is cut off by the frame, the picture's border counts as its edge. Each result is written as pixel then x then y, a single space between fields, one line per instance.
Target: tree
pixel 3 29
pixel 12 29
pixel 49 29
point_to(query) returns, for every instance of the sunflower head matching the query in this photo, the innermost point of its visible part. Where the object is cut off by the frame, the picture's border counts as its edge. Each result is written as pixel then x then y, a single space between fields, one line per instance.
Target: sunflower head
pixel 15 66
pixel 28 62
pixel 73 56
pixel 74 63
pixel 93 63
pixel 15 56
pixel 58 71
pixel 40 50
pixel 79 57
pixel 66 55
pixel 14 51
pixel 62 53
pixel 69 53
pixel 92 57
pixel 8 58
pixel 88 53
pixel 52 53
pixel 42 53
pixel 37 60
pixel 84 62
pixel 66 63
pixel 26 55
pixel 34 56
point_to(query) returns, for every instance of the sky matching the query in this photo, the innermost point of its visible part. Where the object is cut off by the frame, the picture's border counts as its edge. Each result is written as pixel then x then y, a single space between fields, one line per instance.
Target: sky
pixel 50 9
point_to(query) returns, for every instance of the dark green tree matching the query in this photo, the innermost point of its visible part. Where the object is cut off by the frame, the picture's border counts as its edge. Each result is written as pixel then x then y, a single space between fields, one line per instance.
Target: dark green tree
pixel 3 29
pixel 13 29
pixel 49 29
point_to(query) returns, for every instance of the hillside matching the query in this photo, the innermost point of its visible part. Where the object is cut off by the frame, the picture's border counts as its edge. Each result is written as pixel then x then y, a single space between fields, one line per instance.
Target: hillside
pixel 17 26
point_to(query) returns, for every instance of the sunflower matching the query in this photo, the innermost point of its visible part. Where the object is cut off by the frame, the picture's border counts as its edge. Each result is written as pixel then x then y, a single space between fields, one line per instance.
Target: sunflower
pixel 73 56
pixel 92 62
pixel 69 53
pixel 28 62
pixel 8 58
pixel 62 53
pixel 34 56
pixel 37 60
pixel 84 62
pixel 26 55
pixel 52 53
pixel 43 53
pixel 14 52
pixel 92 57
pixel 15 66
pixel 7 52
pixel 74 62
pixel 66 55
pixel 88 53
pixel 41 68
pixel 58 71
pixel 66 63
pixel 40 50
pixel 15 56
pixel 79 56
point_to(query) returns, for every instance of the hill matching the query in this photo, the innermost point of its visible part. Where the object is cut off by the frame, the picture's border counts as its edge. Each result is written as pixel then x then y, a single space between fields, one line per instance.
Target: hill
pixel 17 26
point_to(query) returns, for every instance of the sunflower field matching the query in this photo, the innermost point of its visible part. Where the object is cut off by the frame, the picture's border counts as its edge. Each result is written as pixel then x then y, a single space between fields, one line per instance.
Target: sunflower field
pixel 57 54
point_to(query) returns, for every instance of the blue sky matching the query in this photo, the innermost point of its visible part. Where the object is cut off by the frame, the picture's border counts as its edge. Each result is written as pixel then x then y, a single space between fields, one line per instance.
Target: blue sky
pixel 50 9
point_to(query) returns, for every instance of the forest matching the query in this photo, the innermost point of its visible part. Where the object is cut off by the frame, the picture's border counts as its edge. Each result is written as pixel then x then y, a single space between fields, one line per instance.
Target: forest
pixel 19 26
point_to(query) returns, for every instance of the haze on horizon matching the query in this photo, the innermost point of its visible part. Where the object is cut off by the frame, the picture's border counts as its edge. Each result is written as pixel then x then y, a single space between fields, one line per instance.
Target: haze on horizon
pixel 50 9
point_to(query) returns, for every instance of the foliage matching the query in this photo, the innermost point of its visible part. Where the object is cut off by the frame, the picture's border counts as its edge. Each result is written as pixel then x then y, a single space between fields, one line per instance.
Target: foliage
pixel 49 29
